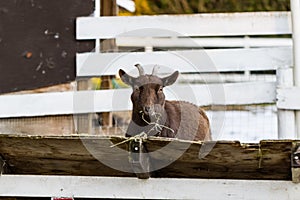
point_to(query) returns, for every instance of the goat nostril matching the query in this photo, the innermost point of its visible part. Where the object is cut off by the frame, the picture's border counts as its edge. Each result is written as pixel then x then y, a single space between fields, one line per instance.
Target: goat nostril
pixel 147 108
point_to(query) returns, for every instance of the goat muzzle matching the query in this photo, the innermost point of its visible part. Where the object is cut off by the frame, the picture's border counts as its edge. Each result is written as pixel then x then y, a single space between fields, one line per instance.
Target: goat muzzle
pixel 149 110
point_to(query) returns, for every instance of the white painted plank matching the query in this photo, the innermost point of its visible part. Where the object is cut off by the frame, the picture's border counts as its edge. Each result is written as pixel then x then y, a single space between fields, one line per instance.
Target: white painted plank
pixel 217 60
pixel 35 104
pixel 154 188
pixel 295 8
pixel 288 98
pixel 171 42
pixel 257 23
pixel 226 77
pixel 286 118
pixel 118 100
pixel 62 103
pixel 224 94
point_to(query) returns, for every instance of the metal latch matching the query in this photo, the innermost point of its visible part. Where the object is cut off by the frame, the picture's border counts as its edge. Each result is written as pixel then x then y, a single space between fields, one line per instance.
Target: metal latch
pixel 139 158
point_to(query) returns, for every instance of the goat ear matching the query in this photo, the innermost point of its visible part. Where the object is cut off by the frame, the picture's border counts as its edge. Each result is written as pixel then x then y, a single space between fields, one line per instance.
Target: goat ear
pixel 169 80
pixel 126 78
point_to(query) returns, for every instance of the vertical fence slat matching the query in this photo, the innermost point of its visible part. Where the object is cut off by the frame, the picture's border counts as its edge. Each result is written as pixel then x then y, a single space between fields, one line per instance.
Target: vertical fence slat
pixel 286 118
pixel 97 14
pixel 295 7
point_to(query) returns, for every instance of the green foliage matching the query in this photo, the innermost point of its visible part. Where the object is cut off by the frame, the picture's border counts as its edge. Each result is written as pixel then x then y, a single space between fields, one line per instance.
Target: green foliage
pixel 148 7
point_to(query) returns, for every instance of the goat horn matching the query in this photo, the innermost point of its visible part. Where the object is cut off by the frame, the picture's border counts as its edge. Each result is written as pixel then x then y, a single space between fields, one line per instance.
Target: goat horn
pixel 155 70
pixel 141 70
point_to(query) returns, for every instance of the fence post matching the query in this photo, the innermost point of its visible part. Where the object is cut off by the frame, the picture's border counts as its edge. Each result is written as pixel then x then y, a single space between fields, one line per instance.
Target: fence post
pixel 295 8
pixel 286 118
pixel 97 14
pixel 108 8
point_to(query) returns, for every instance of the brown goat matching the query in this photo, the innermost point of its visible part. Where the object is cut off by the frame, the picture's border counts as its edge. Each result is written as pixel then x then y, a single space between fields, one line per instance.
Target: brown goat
pixel 155 116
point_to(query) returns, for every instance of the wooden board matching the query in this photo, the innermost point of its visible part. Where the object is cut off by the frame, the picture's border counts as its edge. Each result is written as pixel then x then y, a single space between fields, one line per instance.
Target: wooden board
pixel 185 61
pixel 66 125
pixel 47 125
pixel 71 155
pixel 232 42
pixel 79 102
pixel 99 187
pixel 257 23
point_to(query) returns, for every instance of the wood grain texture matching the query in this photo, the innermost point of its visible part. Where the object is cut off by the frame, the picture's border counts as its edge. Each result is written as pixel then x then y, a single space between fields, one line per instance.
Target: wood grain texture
pixel 74 155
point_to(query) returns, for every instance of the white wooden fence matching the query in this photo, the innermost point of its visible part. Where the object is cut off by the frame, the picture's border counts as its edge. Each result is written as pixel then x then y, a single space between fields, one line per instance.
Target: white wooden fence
pixel 94 64
pixel 186 61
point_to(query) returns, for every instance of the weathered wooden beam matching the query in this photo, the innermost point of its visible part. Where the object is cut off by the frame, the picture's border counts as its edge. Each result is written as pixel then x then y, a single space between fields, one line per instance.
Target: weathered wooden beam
pixel 94 156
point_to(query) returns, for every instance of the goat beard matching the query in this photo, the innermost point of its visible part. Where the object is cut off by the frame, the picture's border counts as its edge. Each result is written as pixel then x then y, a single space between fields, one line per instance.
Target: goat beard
pixel 153 120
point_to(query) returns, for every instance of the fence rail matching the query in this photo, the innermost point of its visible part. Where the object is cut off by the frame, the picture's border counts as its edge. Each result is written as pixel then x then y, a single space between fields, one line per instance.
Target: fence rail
pixel 211 42
pixel 104 187
pixel 217 60
pixel 79 102
pixel 257 23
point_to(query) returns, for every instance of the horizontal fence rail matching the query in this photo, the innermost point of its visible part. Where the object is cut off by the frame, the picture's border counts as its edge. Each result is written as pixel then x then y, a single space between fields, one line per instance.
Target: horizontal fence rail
pixel 217 60
pixel 171 42
pixel 78 102
pixel 155 188
pixel 257 23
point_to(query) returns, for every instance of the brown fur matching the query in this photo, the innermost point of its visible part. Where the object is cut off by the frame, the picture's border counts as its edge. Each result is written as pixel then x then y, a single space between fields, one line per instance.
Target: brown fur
pixel 187 121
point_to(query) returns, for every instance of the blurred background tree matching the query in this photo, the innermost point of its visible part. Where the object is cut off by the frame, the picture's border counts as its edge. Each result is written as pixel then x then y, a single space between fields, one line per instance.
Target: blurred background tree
pixel 151 7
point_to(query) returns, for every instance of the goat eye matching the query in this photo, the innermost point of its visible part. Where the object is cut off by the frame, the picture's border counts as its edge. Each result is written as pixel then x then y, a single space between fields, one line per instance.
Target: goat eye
pixel 160 89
